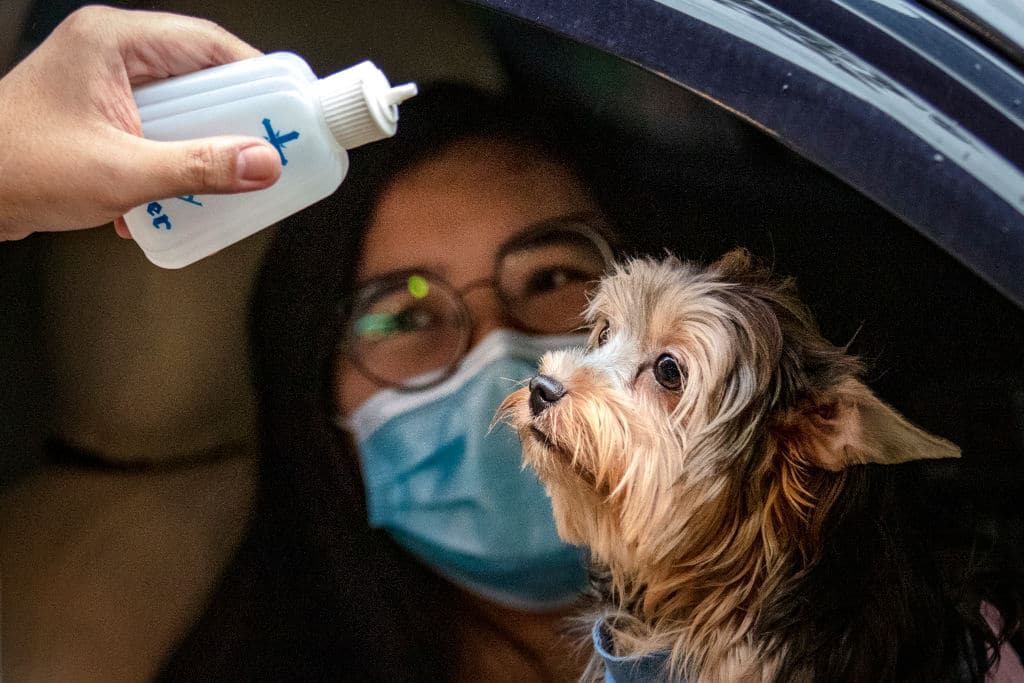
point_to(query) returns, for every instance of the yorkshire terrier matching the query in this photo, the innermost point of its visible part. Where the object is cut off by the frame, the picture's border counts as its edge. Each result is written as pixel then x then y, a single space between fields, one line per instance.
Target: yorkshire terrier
pixel 721 460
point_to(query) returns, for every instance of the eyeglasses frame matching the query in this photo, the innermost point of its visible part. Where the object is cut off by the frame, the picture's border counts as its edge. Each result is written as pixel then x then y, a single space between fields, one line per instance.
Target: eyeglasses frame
pixel 589 224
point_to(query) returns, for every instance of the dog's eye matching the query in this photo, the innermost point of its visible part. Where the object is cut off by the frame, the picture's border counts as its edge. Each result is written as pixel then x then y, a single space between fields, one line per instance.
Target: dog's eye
pixel 604 334
pixel 668 373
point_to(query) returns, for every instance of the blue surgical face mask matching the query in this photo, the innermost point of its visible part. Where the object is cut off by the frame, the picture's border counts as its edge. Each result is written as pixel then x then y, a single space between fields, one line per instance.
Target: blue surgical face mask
pixel 453 491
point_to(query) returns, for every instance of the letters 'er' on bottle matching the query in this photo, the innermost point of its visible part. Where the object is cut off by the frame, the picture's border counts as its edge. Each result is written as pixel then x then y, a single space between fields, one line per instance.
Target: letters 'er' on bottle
pixel 310 122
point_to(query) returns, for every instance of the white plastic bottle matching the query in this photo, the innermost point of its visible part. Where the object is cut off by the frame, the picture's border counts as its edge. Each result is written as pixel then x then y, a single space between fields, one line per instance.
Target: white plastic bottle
pixel 277 97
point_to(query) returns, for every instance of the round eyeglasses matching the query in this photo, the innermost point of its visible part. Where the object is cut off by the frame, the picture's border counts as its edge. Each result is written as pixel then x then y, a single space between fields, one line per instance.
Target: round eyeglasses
pixel 409 329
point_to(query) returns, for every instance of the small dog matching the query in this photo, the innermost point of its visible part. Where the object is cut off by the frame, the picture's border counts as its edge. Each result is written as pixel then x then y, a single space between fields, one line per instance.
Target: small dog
pixel 707 445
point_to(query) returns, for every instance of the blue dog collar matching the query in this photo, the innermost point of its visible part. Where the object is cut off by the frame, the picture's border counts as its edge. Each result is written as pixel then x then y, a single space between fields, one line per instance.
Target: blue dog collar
pixel 649 667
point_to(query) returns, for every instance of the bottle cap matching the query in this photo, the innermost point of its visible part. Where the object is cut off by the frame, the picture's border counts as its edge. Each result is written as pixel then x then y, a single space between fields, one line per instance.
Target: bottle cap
pixel 359 104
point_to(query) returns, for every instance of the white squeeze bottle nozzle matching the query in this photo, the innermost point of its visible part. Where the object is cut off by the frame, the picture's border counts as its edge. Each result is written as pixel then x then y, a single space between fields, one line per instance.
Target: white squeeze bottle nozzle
pixel 311 122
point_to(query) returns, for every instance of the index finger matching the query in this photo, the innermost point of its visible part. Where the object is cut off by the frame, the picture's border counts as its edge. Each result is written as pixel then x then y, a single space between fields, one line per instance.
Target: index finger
pixel 156 45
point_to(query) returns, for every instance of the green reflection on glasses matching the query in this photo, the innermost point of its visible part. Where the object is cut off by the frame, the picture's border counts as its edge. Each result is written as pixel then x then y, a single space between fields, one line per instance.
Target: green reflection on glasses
pixel 378 323
pixel 418 286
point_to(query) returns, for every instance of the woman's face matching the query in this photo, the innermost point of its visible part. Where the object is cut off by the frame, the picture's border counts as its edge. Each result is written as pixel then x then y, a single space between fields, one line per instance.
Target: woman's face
pixel 451 215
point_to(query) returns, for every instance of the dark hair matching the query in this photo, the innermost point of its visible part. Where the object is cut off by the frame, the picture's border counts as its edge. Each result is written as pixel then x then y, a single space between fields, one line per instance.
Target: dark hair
pixel 324 594
pixel 903 589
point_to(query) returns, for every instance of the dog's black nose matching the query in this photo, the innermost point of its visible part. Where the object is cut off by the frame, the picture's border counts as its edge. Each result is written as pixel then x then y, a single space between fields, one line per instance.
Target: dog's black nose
pixel 544 391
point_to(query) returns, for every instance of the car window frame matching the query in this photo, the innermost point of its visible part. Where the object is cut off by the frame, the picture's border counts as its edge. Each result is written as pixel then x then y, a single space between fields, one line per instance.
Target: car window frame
pixel 951 168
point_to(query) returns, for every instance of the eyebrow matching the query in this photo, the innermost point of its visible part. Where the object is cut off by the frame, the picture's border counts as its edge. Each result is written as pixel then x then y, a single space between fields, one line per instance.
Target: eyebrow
pixel 593 219
pixel 434 269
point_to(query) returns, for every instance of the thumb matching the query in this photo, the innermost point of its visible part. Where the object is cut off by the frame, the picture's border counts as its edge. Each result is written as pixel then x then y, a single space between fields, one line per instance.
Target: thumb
pixel 217 165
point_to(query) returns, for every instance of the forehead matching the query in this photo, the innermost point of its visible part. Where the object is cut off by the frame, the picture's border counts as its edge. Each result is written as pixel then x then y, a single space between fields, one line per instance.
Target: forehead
pixel 655 300
pixel 452 212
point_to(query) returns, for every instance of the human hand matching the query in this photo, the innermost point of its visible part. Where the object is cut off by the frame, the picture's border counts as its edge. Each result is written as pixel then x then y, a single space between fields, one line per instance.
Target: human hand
pixel 72 153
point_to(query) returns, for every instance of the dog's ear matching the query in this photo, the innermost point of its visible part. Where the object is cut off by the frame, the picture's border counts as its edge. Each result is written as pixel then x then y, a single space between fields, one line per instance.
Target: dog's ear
pixel 849 425
pixel 734 263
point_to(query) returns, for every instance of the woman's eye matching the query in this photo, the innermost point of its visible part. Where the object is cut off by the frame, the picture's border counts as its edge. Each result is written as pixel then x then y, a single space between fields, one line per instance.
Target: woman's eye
pixel 668 373
pixel 380 325
pixel 550 279
pixel 415 318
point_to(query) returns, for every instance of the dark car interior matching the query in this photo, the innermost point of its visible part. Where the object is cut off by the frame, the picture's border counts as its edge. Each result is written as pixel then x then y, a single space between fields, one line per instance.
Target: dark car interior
pixel 145 369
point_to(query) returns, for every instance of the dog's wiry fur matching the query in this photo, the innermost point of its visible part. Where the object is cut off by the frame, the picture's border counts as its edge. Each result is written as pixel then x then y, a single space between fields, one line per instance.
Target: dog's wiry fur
pixel 733 517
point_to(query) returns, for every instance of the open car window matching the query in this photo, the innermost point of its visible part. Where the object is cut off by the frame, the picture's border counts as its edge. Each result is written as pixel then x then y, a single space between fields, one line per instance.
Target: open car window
pixel 875 150
pixel 922 118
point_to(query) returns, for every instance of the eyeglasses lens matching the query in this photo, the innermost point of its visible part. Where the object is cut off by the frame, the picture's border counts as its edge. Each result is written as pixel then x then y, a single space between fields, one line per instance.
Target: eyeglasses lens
pixel 414 330
pixel 410 332
pixel 545 280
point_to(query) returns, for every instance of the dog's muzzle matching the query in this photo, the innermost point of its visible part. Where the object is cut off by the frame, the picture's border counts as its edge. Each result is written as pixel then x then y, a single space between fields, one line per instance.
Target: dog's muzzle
pixel 544 392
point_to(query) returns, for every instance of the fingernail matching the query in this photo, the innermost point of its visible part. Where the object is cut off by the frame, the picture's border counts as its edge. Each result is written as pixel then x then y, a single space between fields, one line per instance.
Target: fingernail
pixel 257 163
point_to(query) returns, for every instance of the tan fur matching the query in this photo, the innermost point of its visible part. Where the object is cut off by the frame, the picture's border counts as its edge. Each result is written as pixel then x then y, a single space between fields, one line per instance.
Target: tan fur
pixel 701 501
